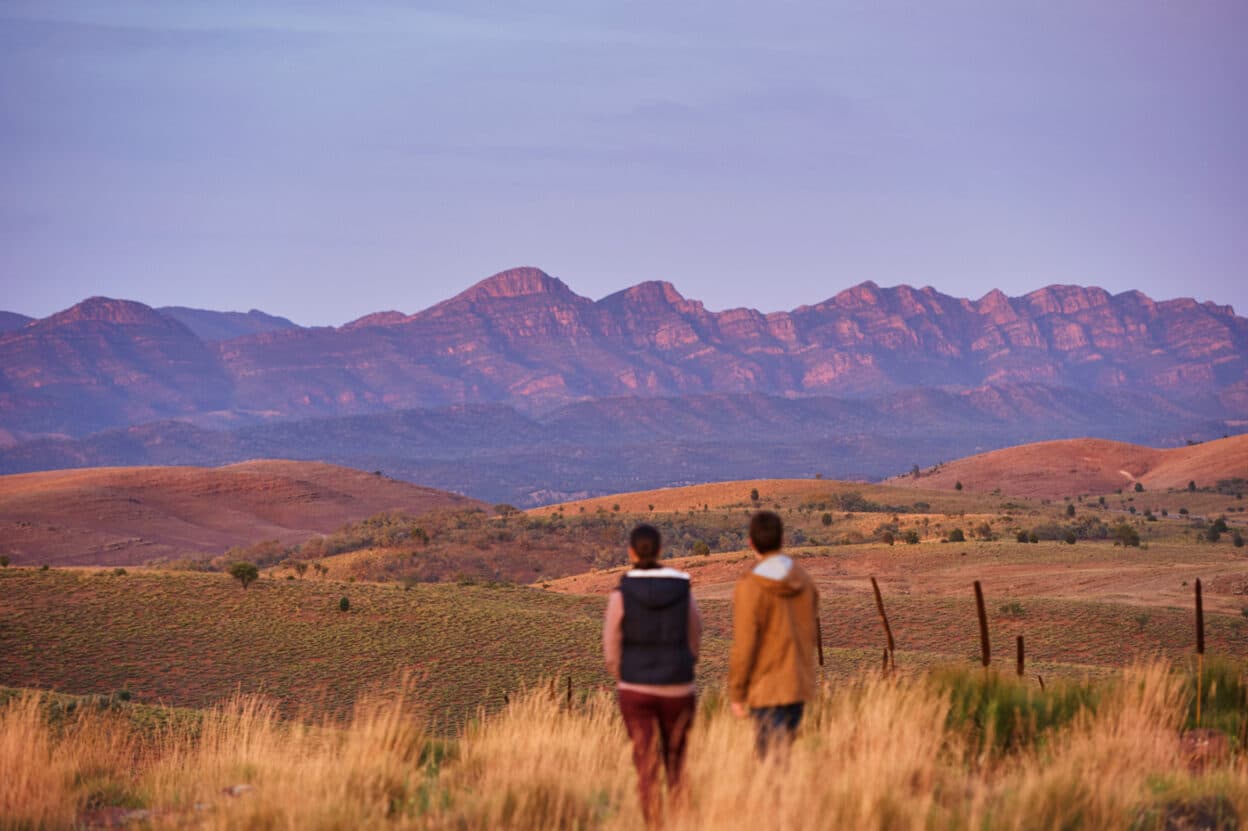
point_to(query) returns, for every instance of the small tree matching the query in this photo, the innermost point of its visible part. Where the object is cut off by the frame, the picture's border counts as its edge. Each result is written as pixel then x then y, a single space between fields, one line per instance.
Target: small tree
pixel 1139 487
pixel 754 495
pixel 1238 540
pixel 1070 509
pixel 887 538
pixel 1022 536
pixel 956 535
pixel 1071 537
pixel 344 605
pixel 244 572
pixel 826 519
pixel 1191 486
pixel 957 486
pixel 912 537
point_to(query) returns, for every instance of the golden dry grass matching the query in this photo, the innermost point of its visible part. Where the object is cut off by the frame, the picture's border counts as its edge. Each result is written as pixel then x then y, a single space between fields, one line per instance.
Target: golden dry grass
pixel 874 753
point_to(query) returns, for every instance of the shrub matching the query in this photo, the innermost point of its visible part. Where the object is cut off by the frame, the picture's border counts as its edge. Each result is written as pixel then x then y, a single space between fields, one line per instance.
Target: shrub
pixel 119 572
pixel 754 495
pixel 1220 525
pixel 701 549
pixel 4 561
pixel 244 572
pixel 957 486
pixel 1022 536
pixel 1071 537
pixel 1070 509
pixel 912 537
pixel 826 519
pixel 1191 486
pixel 1126 535
pixel 956 535
pixel 1012 609
pixel 887 538
pixel 1238 540
pixel 1032 537
pixel 344 605
pixel 1139 487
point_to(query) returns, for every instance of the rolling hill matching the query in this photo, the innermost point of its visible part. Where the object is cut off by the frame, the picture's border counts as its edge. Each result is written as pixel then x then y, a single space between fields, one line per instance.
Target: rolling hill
pixel 125 516
pixel 1088 466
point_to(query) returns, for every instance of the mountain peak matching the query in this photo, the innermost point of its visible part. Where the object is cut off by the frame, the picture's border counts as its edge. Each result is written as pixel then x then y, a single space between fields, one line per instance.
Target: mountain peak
pixel 650 293
pixel 109 310
pixel 516 282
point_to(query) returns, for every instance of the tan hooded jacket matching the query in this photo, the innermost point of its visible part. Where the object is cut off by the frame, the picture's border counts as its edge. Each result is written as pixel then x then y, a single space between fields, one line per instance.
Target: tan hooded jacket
pixel 775 635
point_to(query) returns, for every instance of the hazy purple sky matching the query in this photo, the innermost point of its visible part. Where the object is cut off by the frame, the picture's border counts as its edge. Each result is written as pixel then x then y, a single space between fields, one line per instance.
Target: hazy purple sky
pixel 323 160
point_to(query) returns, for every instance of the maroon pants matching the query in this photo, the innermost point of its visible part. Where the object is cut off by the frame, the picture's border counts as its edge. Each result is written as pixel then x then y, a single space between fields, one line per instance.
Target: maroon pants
pixel 658 726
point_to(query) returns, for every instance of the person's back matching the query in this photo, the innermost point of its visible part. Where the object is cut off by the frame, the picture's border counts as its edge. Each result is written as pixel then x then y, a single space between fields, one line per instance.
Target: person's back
pixel 650 639
pixel 776 638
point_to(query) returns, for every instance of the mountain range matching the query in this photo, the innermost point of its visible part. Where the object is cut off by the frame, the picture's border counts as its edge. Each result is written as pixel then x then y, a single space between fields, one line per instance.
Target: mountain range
pixel 519 371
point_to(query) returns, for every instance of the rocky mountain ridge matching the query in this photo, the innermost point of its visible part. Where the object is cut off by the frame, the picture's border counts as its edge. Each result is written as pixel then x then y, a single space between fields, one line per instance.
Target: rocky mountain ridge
pixel 525 339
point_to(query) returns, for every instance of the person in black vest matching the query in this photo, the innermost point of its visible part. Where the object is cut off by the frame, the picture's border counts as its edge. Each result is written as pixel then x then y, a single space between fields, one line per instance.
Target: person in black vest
pixel 650 640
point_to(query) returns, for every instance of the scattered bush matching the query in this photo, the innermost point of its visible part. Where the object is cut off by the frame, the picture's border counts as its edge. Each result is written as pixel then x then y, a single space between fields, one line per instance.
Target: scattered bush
pixel 4 561
pixel 912 537
pixel 344 605
pixel 956 535
pixel 1071 537
pixel 754 495
pixel 1139 487
pixel 119 572
pixel 957 486
pixel 826 519
pixel 701 549
pixel 1022 536
pixel 1238 540
pixel 1070 509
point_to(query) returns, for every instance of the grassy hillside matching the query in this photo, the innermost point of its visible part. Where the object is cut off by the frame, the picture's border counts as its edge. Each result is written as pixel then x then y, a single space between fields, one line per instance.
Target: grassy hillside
pixel 193 639
pixel 127 516
pixel 1069 467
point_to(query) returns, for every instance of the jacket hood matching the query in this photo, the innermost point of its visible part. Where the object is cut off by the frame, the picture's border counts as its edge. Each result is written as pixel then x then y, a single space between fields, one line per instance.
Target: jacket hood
pixel 655 588
pixel 778 573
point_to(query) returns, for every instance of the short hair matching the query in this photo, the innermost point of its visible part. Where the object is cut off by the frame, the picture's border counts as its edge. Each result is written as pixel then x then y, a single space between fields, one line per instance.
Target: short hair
pixel 766 532
pixel 646 542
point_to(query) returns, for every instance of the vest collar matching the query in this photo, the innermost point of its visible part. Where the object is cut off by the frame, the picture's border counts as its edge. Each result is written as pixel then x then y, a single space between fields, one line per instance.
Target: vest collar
pixel 657 572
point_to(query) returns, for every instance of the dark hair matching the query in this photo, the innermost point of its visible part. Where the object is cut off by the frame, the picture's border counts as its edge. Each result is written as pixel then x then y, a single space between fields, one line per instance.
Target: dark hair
pixel 646 543
pixel 766 532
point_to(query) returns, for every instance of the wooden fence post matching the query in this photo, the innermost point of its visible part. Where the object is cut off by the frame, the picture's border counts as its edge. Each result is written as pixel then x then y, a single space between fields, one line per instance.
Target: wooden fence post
pixel 889 661
pixel 984 648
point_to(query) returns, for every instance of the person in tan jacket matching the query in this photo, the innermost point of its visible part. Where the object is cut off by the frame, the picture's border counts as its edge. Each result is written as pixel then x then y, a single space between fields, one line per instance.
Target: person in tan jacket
pixel 775 638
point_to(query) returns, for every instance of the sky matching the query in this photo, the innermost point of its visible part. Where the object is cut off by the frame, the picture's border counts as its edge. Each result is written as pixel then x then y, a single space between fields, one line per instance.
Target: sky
pixel 323 160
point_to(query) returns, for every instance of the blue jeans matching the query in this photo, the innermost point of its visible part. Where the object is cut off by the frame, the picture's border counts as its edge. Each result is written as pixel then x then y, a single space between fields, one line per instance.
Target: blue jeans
pixel 776 726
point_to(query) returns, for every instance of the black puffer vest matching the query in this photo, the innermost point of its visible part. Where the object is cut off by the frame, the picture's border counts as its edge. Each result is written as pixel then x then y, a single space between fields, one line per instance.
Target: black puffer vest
pixel 656 627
